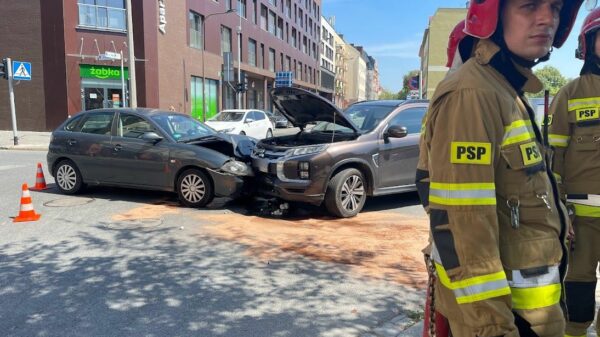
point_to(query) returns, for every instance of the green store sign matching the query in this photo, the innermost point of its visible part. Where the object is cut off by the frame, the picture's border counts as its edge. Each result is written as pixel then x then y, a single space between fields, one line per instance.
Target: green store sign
pixel 101 72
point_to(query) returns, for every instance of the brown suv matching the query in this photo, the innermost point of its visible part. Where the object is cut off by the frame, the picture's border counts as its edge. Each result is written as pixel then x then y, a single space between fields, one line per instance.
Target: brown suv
pixel 369 149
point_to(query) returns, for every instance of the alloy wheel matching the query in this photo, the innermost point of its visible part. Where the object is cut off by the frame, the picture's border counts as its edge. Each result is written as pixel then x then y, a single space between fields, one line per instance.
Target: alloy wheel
pixel 193 188
pixel 352 193
pixel 66 177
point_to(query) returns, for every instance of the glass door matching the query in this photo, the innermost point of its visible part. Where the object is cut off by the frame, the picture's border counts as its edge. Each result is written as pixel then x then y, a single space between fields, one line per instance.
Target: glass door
pixel 93 98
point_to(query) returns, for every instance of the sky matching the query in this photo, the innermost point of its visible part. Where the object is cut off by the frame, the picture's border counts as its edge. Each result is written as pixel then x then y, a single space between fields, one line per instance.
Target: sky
pixel 391 31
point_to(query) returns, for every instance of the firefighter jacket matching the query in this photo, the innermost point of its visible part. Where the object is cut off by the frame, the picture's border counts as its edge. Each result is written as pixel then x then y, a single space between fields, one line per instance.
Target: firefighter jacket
pixel 497 227
pixel 574 134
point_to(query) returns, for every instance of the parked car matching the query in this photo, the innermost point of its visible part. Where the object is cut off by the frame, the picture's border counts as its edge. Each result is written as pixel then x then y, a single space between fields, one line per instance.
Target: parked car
pixel 149 149
pixel 369 149
pixel 253 123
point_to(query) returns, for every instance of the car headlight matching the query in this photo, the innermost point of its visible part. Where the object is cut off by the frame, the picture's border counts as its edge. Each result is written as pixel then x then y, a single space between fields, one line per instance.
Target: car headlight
pixel 299 151
pixel 237 168
pixel 227 130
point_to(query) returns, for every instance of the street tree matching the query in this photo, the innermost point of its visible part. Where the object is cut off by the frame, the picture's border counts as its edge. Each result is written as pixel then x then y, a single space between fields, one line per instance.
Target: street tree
pixel 386 94
pixel 552 79
pixel 405 84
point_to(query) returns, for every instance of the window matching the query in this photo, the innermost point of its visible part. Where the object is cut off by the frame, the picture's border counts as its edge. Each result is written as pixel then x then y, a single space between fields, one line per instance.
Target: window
pixel 272 22
pixel 102 14
pixel 288 63
pixel 73 124
pixel 252 52
pixel 294 42
pixel 241 8
pixel 409 118
pixel 301 17
pixel 225 40
pixel 259 115
pixel 287 10
pixel 271 59
pixel 196 38
pixel 262 55
pixel 280 28
pixel 131 126
pixel 263 17
pixel 227 4
pixel 304 43
pixel 254 11
pixel 98 123
pixel 273 2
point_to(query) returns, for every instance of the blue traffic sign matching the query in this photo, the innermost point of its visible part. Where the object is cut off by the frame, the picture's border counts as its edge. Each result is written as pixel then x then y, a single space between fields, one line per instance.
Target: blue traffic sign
pixel 21 70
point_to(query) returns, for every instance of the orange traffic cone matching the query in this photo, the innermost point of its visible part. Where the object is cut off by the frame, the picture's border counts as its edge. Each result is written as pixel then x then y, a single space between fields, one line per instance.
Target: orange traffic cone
pixel 26 213
pixel 40 181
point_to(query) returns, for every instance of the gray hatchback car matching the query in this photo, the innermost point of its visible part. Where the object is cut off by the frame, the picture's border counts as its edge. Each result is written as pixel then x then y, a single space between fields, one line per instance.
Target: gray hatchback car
pixel 149 149
pixel 371 148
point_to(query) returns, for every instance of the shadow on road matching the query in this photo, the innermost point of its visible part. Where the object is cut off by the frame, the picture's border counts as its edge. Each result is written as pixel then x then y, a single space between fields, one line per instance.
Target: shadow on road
pixel 120 282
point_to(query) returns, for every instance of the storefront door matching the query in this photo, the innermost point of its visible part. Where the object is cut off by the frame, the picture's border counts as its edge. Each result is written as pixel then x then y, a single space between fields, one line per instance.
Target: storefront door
pixel 99 94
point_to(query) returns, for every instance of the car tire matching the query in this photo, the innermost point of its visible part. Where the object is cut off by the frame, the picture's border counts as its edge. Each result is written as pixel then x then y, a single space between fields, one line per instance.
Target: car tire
pixel 242 133
pixel 194 188
pixel 269 134
pixel 346 194
pixel 68 178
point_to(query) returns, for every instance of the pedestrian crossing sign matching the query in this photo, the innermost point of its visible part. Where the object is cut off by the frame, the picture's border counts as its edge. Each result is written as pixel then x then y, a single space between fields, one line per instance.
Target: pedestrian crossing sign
pixel 21 71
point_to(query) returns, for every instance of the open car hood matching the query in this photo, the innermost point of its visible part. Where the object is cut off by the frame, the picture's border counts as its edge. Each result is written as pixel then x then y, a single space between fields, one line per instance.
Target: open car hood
pixel 301 107
pixel 237 146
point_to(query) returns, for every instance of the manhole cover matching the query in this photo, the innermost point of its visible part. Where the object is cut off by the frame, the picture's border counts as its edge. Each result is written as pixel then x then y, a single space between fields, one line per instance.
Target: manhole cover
pixel 135 223
pixel 68 202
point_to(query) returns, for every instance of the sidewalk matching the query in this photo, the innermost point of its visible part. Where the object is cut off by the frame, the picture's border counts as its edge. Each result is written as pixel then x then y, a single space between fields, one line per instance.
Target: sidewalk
pixel 28 140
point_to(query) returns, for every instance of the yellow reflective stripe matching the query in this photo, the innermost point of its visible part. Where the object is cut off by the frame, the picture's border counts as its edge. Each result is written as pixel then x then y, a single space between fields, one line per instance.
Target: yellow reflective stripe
pixel 517 131
pixel 584 335
pixel 558 140
pixel 583 102
pixel 557 177
pixel 534 298
pixel 478 288
pixel 466 194
pixel 586 210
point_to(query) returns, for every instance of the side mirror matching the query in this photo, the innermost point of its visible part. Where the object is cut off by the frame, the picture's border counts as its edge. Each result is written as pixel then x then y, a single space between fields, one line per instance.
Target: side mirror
pixel 249 120
pixel 396 131
pixel 151 137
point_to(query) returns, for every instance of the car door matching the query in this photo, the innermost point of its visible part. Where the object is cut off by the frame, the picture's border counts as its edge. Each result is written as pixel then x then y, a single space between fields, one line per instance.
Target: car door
pixel 135 160
pixel 398 157
pixel 250 124
pixel 262 124
pixel 89 146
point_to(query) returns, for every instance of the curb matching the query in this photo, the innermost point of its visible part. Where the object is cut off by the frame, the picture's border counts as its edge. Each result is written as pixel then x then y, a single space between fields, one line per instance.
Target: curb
pixel 24 147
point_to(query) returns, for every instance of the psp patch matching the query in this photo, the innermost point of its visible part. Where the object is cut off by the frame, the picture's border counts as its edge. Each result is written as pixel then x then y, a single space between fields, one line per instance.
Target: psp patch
pixel 530 153
pixel 587 114
pixel 477 153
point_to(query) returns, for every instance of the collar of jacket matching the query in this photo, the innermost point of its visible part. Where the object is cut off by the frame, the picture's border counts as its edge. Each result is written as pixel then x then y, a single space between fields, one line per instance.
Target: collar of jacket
pixel 521 78
pixel 591 65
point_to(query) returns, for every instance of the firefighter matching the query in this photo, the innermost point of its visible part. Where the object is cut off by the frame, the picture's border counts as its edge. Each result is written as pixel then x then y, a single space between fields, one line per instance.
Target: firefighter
pixel 574 127
pixel 496 220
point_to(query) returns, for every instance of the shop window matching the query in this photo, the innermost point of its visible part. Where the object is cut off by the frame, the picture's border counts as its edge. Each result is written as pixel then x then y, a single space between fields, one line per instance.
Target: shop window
pixel 102 14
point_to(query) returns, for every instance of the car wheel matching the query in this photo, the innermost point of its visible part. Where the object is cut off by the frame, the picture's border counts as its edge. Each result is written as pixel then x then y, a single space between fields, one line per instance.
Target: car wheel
pixel 194 188
pixel 269 134
pixel 242 133
pixel 346 195
pixel 68 177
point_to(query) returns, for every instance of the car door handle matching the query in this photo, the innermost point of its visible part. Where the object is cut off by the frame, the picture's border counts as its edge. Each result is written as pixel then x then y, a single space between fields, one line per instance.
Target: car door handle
pixel 117 147
pixel 71 142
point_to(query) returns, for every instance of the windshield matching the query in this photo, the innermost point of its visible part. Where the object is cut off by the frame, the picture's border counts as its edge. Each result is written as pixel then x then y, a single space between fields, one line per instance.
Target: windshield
pixel 228 116
pixel 182 127
pixel 367 117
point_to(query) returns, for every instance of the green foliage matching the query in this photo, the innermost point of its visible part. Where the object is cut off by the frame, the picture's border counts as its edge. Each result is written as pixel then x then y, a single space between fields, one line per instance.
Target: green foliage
pixel 552 79
pixel 405 89
pixel 385 94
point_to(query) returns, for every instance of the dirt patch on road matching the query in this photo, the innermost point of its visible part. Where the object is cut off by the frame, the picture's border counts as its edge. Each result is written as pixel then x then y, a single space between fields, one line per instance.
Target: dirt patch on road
pixel 148 212
pixel 382 245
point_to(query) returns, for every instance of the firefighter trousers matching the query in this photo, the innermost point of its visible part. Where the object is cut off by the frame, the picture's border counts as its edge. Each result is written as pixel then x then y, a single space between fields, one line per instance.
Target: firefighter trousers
pixel 580 283
pixel 546 321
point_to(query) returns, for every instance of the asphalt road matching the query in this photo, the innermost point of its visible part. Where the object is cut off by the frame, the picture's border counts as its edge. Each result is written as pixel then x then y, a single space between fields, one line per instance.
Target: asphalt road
pixel 118 262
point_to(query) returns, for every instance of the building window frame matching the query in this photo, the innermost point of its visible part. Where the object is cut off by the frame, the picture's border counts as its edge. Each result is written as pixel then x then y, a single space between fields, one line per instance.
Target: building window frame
pixel 90 14
pixel 196 33
pixel 252 52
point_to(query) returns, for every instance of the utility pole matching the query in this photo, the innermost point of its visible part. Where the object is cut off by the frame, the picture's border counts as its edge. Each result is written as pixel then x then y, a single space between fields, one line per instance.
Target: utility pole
pixel 132 84
pixel 239 73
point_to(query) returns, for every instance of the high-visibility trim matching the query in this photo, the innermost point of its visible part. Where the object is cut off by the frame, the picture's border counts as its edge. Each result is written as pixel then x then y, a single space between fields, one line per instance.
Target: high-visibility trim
pixel 477 288
pixel 534 298
pixel 462 194
pixel 558 140
pixel 586 210
pixel 519 280
pixel 584 335
pixel 579 103
pixel 517 131
pixel 557 177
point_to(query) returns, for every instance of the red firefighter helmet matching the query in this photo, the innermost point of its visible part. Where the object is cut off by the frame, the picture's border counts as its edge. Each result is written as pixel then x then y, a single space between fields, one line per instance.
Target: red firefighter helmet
pixel 483 17
pixel 590 25
pixel 454 39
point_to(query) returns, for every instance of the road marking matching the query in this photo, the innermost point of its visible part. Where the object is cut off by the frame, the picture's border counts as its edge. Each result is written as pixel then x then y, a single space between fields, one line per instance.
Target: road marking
pixel 10 167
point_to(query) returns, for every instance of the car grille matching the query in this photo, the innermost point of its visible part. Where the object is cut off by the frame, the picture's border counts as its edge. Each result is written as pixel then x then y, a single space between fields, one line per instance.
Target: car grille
pixel 267 154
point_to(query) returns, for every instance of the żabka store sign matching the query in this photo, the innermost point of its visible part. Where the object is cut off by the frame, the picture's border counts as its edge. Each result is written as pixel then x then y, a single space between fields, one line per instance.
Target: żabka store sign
pixel 101 72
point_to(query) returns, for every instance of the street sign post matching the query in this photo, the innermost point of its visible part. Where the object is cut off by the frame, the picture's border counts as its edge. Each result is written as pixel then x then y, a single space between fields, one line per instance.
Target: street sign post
pixel 11 95
pixel 21 71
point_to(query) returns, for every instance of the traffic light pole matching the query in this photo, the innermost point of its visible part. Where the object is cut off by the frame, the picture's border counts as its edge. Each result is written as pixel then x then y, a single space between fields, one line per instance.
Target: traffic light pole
pixel 11 94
